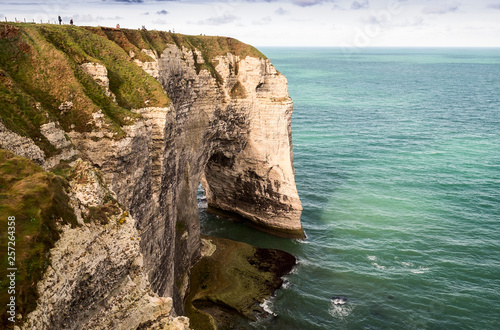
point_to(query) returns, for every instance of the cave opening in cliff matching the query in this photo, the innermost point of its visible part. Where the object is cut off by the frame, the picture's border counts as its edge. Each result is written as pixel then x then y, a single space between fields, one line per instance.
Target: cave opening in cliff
pixel 202 198
pixel 208 221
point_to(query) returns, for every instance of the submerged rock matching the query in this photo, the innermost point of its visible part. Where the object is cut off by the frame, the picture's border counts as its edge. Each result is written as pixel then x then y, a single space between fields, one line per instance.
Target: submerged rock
pixel 338 300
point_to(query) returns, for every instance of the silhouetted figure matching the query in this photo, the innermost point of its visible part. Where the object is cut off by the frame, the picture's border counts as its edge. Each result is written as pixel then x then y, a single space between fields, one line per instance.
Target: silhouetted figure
pixel 71 21
pixel 60 20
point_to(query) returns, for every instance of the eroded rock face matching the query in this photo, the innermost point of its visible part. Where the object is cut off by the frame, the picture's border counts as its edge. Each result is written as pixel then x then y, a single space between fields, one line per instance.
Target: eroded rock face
pixel 229 128
pixel 244 117
pixel 20 145
pixel 100 74
pixel 149 67
pixel 96 279
pixel 233 130
pixel 252 173
pixel 56 136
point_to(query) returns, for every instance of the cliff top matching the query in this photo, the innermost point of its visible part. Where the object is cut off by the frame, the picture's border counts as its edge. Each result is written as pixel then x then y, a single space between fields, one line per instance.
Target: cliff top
pixel 41 78
pixel 210 46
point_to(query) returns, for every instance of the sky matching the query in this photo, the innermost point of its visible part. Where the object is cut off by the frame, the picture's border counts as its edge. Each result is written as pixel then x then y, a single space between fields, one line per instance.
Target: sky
pixel 304 23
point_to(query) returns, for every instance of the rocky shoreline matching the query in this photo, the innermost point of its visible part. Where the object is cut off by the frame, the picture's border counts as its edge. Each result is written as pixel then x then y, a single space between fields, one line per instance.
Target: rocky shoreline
pixel 231 280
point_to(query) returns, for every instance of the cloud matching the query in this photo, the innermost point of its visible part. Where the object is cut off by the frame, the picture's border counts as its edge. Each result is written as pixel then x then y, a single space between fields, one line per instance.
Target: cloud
pixel 130 1
pixel 219 20
pixel 263 21
pixel 363 4
pixel 307 3
pixel 139 1
pixel 440 9
pixel 300 20
pixel 82 18
pixel 88 18
pixel 162 12
pixel 414 22
pixel 493 6
pixel 160 22
pixel 281 11
pixel 375 20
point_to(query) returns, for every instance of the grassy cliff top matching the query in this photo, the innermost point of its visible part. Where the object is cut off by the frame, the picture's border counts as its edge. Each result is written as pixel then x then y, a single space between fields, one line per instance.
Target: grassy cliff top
pixel 40 70
pixel 210 46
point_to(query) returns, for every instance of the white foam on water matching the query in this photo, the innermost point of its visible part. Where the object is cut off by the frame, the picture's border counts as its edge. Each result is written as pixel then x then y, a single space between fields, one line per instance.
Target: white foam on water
pixel 420 270
pixel 202 204
pixel 340 311
pixel 303 262
pixel 372 258
pixel 301 241
pixel 266 306
pixel 286 283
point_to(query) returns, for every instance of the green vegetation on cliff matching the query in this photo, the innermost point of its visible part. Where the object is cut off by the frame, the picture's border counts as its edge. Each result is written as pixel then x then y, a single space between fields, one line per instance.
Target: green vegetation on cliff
pixel 209 46
pixel 38 201
pixel 41 79
pixel 230 280
pixel 40 71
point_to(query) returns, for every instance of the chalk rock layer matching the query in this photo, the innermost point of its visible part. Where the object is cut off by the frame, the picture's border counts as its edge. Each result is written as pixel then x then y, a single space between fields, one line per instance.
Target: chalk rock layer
pixel 96 278
pixel 242 119
pixel 218 113
pixel 229 129
pixel 252 174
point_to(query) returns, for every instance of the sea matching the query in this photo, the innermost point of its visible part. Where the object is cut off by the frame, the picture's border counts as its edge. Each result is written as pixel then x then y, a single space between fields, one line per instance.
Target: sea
pixel 397 163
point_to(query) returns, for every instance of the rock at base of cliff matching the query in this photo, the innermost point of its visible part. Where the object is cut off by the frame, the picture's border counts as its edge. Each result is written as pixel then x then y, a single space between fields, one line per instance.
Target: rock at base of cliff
pixel 231 280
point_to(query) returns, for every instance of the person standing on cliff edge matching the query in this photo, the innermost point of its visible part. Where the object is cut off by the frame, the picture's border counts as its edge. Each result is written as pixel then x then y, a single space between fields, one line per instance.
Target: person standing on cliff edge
pixel 60 20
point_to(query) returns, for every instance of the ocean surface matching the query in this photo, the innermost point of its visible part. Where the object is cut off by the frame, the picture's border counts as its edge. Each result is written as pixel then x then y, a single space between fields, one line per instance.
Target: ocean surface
pixel 397 159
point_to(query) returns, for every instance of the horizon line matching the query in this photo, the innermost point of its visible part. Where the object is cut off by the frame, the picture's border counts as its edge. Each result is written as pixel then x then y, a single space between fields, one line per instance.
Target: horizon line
pixel 366 47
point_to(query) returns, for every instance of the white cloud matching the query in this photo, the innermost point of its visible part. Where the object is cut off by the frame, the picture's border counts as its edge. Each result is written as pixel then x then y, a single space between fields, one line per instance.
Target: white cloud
pixel 88 18
pixel 281 11
pixel 218 20
pixel 307 3
pixel 263 21
pixel 160 22
pixel 415 21
pixel 363 4
pixel 493 6
pixel 442 8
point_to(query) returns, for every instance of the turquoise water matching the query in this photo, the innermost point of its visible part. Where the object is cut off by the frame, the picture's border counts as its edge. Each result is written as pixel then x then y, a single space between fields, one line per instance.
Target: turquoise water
pixel 397 158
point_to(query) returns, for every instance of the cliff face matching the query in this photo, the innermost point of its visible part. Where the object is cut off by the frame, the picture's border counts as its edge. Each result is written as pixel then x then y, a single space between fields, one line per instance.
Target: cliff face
pixel 225 123
pixel 96 278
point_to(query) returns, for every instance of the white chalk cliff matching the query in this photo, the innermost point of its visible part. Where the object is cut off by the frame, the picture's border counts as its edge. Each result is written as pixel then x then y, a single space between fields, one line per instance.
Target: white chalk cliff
pixel 234 135
pixel 228 128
